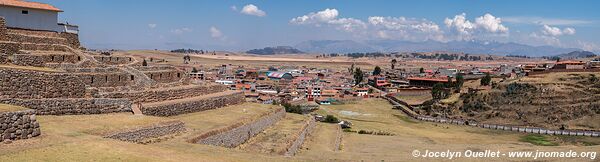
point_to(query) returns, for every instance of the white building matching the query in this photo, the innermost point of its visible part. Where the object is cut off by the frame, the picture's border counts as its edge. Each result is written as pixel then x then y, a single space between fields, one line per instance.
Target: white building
pixel 33 16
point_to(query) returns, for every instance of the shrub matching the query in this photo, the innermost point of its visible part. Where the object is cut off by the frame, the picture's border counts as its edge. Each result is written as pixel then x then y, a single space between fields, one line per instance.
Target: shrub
pixel 331 119
pixel 292 108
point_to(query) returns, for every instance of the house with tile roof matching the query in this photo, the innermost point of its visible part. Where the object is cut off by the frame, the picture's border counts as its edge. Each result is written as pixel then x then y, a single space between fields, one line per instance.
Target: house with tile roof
pixel 22 14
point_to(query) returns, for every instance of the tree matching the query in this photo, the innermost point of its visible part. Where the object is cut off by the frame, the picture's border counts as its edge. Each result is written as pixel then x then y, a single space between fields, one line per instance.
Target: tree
pixel 194 70
pixel 351 69
pixel 358 76
pixel 438 92
pixel 449 84
pixel 485 81
pixel 144 63
pixel 460 80
pixel 394 63
pixel 331 119
pixel 377 70
pixel 421 70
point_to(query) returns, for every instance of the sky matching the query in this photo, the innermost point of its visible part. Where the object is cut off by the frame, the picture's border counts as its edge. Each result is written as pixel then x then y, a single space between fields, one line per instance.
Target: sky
pixel 243 25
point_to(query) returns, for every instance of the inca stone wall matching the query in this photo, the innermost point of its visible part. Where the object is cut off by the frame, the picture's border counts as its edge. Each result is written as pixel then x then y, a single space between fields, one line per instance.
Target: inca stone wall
pixel 40 60
pixel 44 37
pixel 234 136
pixel 114 60
pixel 3 30
pixel 143 135
pixel 18 125
pixel 191 106
pixel 26 84
pixel 3 58
pixel 300 137
pixel 168 94
pixel 72 106
pixel 113 79
pixel 164 76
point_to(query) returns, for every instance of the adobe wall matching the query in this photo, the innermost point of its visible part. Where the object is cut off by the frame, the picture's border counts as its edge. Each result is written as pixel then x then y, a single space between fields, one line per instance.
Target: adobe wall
pixel 41 60
pixel 114 60
pixel 168 94
pixel 239 133
pixel 26 84
pixel 72 106
pixel 18 125
pixel 193 105
pixel 145 134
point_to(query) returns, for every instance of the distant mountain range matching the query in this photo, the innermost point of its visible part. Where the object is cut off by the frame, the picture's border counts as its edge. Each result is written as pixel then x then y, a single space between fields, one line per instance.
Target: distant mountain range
pixel 472 47
pixel 275 50
pixel 577 54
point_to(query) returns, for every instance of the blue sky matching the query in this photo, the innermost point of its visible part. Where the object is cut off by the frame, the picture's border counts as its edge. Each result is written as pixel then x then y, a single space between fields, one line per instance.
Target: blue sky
pixel 242 25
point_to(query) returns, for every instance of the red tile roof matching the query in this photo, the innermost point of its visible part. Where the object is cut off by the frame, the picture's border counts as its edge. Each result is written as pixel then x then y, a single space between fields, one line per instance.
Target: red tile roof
pixel 429 79
pixel 27 4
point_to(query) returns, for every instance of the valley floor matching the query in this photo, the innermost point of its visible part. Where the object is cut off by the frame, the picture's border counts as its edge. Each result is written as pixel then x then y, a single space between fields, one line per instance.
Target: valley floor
pixel 79 138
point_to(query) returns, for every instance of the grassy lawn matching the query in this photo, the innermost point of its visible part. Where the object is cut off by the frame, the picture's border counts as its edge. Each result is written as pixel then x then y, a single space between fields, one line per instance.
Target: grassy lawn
pixel 539 140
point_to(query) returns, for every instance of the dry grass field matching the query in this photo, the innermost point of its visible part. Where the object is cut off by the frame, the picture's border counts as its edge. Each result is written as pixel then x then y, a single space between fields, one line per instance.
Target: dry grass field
pixel 10 108
pixel 79 138
pixel 378 115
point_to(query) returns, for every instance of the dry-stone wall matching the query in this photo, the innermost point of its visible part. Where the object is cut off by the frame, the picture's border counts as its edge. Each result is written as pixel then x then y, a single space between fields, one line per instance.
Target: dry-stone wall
pixel 234 136
pixel 300 137
pixel 18 125
pixel 142 135
pixel 113 60
pixel 3 30
pixel 166 94
pixel 44 37
pixel 113 79
pixel 3 58
pixel 42 59
pixel 193 105
pixel 25 84
pixel 164 76
pixel 72 106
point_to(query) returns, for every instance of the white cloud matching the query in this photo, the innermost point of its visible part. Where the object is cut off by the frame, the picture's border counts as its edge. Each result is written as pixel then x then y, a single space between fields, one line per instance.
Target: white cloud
pixel 545 39
pixel 329 17
pixel 405 28
pixel 483 25
pixel 152 26
pixel 555 31
pixel 234 8
pixel 547 21
pixel 181 30
pixel 216 33
pixel 251 9
pixel 491 24
pixel 588 46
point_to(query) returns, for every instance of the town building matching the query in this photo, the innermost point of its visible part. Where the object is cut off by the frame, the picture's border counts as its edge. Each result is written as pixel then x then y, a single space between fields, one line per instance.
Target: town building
pixel 21 14
pixel 569 65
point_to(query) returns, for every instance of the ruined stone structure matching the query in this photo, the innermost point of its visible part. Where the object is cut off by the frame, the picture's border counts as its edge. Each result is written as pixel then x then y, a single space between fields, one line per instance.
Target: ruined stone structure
pixel 18 125
pixel 114 60
pixel 299 138
pixel 190 105
pixel 72 106
pixel 166 94
pixel 239 133
pixel 25 84
pixel 42 59
pixel 142 135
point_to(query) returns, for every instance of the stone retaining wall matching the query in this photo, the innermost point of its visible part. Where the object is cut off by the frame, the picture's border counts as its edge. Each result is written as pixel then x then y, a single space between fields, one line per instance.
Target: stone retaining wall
pixel 114 60
pixel 41 60
pixel 293 147
pixel 3 58
pixel 143 135
pixel 239 133
pixel 18 125
pixel 113 79
pixel 408 110
pixel 72 106
pixel 25 84
pixel 43 37
pixel 165 76
pixel 193 105
pixel 164 95
pixel 3 30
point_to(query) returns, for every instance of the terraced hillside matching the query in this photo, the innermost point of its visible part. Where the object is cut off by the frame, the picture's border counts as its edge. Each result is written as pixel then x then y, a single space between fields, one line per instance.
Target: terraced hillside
pixel 557 100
